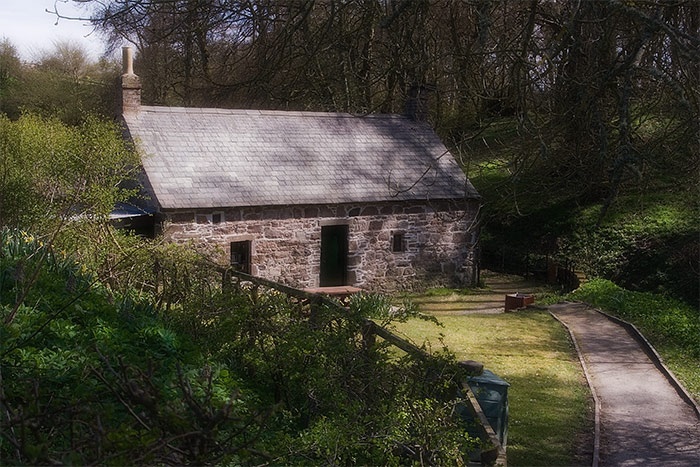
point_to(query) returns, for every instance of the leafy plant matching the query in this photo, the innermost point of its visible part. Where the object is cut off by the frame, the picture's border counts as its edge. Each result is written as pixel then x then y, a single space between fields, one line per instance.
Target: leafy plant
pixel 52 172
pixel 196 371
pixel 88 379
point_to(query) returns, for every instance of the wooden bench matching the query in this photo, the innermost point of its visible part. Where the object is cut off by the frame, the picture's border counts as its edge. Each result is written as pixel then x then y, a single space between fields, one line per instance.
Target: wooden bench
pixel 341 292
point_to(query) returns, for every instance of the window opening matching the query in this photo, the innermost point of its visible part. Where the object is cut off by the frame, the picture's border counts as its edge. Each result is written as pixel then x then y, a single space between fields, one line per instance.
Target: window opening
pixel 214 218
pixel 398 243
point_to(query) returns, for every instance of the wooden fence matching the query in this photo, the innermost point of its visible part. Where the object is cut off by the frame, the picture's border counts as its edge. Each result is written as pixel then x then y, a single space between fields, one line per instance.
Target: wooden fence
pixel 529 264
pixel 565 275
pixel 494 454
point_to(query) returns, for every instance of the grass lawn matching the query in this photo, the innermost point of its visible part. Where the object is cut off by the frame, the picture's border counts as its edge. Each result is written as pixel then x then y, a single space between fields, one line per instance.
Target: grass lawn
pixel 550 405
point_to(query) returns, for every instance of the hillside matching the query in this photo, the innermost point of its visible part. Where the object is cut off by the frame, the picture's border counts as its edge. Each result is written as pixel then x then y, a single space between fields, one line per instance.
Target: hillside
pixel 644 238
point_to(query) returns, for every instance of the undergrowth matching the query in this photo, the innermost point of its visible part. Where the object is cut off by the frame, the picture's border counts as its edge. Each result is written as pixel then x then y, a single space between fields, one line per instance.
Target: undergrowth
pixel 194 373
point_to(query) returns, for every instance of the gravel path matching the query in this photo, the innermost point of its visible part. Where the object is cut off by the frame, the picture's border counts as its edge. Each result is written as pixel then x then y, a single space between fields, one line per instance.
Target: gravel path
pixel 644 421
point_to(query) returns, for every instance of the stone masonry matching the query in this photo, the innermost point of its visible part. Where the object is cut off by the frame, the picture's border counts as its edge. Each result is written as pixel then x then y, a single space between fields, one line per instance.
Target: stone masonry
pixel 438 241
pixel 308 198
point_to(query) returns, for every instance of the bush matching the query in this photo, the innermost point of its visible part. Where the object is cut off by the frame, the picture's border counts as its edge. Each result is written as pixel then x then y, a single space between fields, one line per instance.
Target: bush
pixel 653 250
pixel 87 379
pixel 200 374
pixel 649 243
pixel 340 399
pixel 53 172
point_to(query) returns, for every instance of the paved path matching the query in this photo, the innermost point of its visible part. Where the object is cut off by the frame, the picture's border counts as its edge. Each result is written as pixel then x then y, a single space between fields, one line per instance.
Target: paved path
pixel 643 419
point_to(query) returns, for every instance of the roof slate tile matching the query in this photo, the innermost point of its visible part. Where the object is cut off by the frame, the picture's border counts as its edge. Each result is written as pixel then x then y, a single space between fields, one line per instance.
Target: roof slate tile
pixel 197 158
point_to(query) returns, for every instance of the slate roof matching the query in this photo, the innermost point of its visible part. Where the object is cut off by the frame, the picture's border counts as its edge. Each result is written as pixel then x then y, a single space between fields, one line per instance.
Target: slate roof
pixel 216 158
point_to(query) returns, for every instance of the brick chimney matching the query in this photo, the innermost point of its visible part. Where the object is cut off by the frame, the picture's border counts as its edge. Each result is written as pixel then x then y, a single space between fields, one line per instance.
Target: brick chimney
pixel 130 83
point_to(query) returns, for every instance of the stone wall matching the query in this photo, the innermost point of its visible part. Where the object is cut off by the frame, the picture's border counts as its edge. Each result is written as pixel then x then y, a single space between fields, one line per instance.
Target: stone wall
pixel 437 240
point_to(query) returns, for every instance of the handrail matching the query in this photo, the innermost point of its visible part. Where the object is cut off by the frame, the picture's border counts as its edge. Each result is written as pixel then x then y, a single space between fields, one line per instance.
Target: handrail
pixel 496 455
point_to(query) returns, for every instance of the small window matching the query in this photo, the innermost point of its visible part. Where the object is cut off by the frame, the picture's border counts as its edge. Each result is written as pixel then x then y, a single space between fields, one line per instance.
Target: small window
pixel 398 243
pixel 214 218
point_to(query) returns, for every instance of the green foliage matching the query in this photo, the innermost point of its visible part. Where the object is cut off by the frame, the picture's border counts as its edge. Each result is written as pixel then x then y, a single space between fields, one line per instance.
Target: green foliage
pixel 62 82
pixel 51 171
pixel 88 379
pixel 338 399
pixel 10 69
pixel 406 432
pixel 184 371
pixel 445 291
pixel 385 310
pixel 649 244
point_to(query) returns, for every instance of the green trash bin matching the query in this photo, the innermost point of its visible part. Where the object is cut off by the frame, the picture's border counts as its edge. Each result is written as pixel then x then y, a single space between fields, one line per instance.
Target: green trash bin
pixel 492 394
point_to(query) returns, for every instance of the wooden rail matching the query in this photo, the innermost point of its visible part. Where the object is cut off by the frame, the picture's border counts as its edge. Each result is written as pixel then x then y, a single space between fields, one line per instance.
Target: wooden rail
pixel 494 454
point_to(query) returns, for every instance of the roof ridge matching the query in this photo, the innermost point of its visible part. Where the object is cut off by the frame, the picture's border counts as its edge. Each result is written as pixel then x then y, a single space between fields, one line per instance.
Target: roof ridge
pixel 263 112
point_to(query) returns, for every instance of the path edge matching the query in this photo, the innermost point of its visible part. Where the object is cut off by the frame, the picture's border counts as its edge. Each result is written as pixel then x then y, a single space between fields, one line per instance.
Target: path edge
pixel 596 400
pixel 654 356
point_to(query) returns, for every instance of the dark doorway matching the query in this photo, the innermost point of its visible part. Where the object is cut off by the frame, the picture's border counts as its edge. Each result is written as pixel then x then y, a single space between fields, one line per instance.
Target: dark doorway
pixel 240 256
pixel 334 255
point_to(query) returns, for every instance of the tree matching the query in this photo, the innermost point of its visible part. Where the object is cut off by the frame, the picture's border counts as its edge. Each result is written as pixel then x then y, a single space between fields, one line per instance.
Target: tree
pixel 600 95
pixel 65 83
pixel 10 72
pixel 50 172
pixel 62 82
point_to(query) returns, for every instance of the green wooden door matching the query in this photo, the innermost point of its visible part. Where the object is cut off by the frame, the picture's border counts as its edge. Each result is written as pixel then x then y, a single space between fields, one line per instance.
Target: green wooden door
pixel 334 255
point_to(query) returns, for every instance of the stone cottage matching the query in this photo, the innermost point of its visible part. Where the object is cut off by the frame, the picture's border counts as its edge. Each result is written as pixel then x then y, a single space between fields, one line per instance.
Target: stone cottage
pixel 306 198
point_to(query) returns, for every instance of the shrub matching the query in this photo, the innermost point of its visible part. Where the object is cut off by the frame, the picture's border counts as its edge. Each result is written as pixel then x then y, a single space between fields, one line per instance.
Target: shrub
pixel 86 379
pixel 205 375
pixel 52 171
